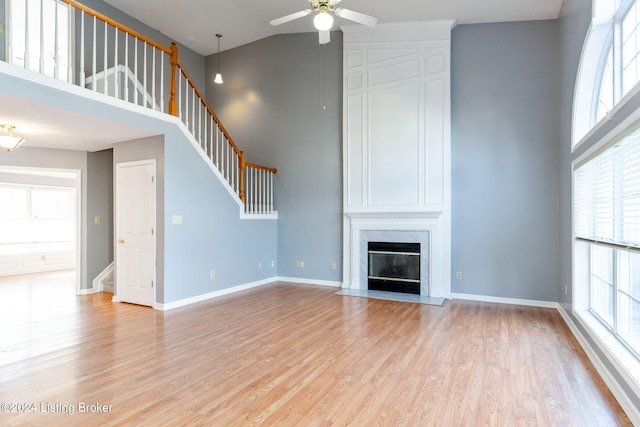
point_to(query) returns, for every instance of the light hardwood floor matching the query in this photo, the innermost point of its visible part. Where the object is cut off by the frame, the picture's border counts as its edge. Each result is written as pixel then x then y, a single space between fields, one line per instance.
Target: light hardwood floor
pixel 290 355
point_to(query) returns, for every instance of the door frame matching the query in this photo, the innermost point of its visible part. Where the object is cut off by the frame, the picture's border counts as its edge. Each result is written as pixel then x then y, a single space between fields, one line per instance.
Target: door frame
pixel 118 168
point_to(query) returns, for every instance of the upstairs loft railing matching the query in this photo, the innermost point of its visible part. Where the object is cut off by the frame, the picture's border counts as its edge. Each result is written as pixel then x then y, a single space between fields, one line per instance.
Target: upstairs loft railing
pixel 69 41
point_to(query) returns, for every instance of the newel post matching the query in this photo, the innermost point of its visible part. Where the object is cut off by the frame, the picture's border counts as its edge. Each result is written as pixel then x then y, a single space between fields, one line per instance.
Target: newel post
pixel 173 104
pixel 242 167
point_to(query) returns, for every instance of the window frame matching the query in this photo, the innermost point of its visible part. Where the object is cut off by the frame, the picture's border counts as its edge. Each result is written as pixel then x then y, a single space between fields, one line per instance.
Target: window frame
pixel 29 217
pixel 625 359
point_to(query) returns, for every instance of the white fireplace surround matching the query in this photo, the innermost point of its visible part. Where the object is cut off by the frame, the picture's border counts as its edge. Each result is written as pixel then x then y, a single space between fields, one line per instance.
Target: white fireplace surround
pixel 397 146
pixel 426 229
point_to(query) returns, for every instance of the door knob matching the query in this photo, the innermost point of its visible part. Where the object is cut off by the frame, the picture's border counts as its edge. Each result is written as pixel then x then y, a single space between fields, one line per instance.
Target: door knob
pixel 120 241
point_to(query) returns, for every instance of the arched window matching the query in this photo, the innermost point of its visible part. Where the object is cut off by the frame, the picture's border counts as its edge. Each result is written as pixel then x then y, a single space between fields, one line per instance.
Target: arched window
pixel 609 69
pixel 605 96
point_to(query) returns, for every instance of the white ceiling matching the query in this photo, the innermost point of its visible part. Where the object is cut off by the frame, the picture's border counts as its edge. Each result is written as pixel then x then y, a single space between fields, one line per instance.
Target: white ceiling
pixel 47 126
pixel 194 23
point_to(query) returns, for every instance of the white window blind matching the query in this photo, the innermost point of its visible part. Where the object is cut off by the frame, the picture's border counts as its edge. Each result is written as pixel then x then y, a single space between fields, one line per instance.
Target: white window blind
pixel 607 194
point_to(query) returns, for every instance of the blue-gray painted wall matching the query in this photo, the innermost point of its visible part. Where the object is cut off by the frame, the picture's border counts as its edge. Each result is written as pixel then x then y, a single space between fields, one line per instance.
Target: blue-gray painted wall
pixel 505 160
pixel 209 239
pixel 281 101
pixel 212 236
pixel 505 151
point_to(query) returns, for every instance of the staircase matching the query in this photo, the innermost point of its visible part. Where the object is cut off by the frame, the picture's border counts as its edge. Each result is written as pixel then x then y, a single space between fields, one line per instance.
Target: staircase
pixel 119 62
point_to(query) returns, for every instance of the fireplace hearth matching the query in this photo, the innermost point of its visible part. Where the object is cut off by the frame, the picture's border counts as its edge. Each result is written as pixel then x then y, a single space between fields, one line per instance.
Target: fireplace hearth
pixel 394 267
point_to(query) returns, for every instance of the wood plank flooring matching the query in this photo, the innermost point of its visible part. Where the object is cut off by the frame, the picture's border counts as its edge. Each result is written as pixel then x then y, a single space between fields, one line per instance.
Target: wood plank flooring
pixel 291 355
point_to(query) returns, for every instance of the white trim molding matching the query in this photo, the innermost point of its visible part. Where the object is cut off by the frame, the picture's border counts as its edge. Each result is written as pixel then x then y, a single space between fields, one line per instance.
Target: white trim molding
pixel 309 281
pixel 203 297
pixel 501 300
pixel 104 274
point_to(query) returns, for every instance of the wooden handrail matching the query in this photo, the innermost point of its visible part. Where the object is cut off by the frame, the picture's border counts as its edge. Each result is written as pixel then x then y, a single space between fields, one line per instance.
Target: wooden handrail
pixel 118 25
pixel 209 109
pixel 264 168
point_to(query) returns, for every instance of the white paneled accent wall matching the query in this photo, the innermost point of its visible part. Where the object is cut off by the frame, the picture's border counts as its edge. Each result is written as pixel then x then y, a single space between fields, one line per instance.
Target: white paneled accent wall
pixel 397 133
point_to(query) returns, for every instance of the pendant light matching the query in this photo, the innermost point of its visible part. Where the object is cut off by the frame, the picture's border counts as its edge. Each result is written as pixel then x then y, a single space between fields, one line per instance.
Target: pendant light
pixel 218 78
pixel 8 140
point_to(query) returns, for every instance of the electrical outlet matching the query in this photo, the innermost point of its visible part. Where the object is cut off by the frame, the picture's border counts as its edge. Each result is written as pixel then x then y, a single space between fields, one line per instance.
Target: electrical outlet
pixel 259 265
pixel 566 289
pixel 273 263
pixel 334 266
pixel 301 264
pixel 297 263
pixel 459 275
pixel 97 220
pixel 212 274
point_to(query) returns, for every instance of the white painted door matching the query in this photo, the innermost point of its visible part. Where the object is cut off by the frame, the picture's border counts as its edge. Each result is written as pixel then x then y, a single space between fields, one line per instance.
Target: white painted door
pixel 135 232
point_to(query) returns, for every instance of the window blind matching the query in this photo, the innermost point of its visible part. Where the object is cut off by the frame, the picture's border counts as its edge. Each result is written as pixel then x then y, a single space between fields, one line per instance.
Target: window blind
pixel 607 194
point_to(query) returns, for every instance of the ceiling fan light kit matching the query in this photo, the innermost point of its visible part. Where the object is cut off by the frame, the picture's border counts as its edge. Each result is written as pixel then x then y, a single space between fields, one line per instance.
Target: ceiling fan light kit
pixel 323 21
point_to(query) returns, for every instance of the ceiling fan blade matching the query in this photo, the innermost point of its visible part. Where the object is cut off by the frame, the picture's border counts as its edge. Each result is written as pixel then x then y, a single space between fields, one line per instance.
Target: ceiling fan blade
pixel 290 17
pixel 325 36
pixel 358 17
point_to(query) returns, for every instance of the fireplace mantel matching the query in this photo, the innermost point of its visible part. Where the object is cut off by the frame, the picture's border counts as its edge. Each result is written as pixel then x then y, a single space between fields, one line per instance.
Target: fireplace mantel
pixel 428 229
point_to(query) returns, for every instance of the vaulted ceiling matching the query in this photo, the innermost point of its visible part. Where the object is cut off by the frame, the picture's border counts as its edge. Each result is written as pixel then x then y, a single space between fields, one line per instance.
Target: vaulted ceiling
pixel 194 23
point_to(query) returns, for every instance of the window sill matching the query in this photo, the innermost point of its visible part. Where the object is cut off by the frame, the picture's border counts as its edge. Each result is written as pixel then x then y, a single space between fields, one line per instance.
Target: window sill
pixel 626 364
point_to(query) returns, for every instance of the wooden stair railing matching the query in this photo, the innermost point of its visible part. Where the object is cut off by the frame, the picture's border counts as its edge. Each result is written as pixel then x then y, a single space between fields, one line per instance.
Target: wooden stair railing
pixel 194 110
pixel 147 84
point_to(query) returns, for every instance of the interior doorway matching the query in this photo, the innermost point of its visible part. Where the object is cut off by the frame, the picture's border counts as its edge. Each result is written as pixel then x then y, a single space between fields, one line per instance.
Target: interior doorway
pixel 40 221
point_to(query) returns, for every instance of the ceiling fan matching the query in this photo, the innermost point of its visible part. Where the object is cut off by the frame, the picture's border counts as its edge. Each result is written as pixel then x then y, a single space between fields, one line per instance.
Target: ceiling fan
pixel 323 21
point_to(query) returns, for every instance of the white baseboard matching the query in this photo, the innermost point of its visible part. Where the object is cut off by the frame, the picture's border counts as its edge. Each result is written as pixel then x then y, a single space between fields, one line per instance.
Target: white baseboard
pixel 210 295
pixel 500 300
pixel 632 411
pixel 309 281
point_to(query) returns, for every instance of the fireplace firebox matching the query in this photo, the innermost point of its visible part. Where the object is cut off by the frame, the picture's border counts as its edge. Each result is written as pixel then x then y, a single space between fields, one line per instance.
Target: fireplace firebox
pixel 394 267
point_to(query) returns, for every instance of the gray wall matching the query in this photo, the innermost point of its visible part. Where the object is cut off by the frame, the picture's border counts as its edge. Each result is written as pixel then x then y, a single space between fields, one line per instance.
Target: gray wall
pixel 99 203
pixel 210 239
pixel 505 160
pixel 505 150
pixel 269 104
pixel 212 236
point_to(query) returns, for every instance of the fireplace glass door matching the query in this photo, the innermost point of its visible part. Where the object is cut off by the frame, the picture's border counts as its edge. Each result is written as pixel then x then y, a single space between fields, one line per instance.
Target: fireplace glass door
pixel 394 267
